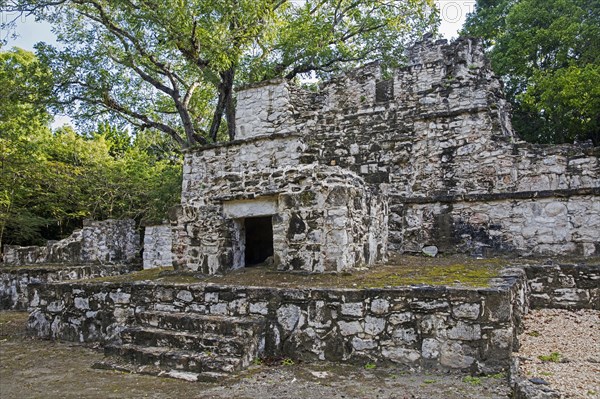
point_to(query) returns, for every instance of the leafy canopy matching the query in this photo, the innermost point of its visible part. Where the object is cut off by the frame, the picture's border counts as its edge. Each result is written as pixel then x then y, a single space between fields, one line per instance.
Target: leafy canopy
pixel 548 54
pixel 173 65
pixel 23 126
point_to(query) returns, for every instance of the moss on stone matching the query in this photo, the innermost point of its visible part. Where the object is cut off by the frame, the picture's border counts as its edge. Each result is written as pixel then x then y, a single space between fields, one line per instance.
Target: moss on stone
pixel 400 271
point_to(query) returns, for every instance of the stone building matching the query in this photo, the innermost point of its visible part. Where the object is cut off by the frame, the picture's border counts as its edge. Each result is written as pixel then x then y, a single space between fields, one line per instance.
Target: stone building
pixel 332 180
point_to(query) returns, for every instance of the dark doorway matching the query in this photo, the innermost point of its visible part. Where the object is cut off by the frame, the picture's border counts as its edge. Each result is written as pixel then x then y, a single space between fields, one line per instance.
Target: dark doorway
pixel 259 239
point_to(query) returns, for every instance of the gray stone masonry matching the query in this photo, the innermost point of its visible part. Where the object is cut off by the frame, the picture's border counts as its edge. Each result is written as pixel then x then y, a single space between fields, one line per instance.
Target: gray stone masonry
pixel 371 163
pixel 428 327
pixel 158 246
pixel 15 281
pixel 564 286
pixel 108 241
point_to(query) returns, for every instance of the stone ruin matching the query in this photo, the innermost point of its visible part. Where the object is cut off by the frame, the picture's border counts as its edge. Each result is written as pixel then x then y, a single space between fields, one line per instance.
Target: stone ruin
pixel 99 249
pixel 332 180
pixel 335 180
pixel 98 242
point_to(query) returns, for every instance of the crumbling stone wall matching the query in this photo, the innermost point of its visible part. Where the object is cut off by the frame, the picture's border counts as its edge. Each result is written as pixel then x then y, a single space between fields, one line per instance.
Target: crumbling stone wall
pixel 564 286
pixel 417 326
pixel 324 218
pixel 429 327
pixel 109 241
pixel 432 140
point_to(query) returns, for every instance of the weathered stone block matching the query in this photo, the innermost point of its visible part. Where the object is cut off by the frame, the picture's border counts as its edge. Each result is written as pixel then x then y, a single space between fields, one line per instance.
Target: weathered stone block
pixel 380 306
pixel 374 325
pixel 466 311
pixel 350 327
pixel 464 331
pixel 352 309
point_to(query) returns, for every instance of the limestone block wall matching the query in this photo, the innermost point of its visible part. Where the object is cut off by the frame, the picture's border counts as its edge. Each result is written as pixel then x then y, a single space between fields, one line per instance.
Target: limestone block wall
pixel 202 239
pixel 527 226
pixel 109 241
pixel 264 109
pixel 158 247
pixel 15 281
pixel 332 228
pixel 241 169
pixel 564 286
pixel 324 218
pixel 435 157
pixel 429 327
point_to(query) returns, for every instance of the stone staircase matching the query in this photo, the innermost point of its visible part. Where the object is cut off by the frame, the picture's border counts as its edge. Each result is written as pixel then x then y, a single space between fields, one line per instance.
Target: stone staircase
pixel 189 346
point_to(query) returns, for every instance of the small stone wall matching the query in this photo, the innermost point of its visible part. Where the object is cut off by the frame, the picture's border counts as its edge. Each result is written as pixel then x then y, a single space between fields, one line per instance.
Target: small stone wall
pixel 15 281
pixel 109 241
pixel 564 286
pixel 158 245
pixel 429 327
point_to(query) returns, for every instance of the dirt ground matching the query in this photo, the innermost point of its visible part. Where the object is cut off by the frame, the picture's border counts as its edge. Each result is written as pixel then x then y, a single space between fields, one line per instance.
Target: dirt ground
pixel 31 368
pixel 569 365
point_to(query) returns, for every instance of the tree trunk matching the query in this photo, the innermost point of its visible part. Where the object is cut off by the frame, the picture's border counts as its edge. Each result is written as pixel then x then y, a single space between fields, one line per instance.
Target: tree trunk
pixel 230 106
pixel 225 106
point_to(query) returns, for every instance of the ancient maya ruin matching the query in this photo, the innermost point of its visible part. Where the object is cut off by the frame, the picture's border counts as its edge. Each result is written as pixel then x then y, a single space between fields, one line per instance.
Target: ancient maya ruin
pixel 371 165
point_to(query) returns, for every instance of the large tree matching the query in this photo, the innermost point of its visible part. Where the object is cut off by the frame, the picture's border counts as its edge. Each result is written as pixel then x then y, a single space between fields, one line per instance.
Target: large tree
pixel 547 51
pixel 173 65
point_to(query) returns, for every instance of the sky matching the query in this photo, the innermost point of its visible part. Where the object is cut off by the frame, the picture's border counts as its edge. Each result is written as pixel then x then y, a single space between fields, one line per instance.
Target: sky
pixel 29 32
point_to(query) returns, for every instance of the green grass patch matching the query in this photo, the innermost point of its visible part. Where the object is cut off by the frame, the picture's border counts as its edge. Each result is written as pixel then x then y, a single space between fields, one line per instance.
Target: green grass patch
pixel 287 362
pixel 472 380
pixel 554 357
pixel 370 366
pixel 400 271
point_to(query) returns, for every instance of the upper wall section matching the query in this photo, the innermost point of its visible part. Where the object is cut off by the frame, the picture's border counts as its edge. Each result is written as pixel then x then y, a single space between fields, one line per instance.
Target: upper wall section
pixel 425 87
pixel 438 127
pixel 264 109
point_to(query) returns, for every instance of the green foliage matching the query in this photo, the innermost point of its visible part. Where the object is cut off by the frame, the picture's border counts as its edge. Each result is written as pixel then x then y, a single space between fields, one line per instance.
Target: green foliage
pixel 51 181
pixel 287 362
pixel 257 361
pixel 547 53
pixel 173 65
pixel 370 366
pixel 118 140
pixel 497 376
pixel 472 380
pixel 554 357
pixel 23 126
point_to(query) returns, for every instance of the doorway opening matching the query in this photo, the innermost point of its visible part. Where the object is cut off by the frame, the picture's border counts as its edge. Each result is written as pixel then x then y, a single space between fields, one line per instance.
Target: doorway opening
pixel 259 239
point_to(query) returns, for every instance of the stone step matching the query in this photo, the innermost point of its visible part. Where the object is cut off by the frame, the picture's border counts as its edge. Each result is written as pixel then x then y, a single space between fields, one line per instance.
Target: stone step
pixel 202 324
pixel 167 359
pixel 118 364
pixel 183 340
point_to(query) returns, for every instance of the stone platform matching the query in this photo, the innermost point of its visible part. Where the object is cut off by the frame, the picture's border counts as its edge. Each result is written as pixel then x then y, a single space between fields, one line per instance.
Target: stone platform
pixel 199 330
